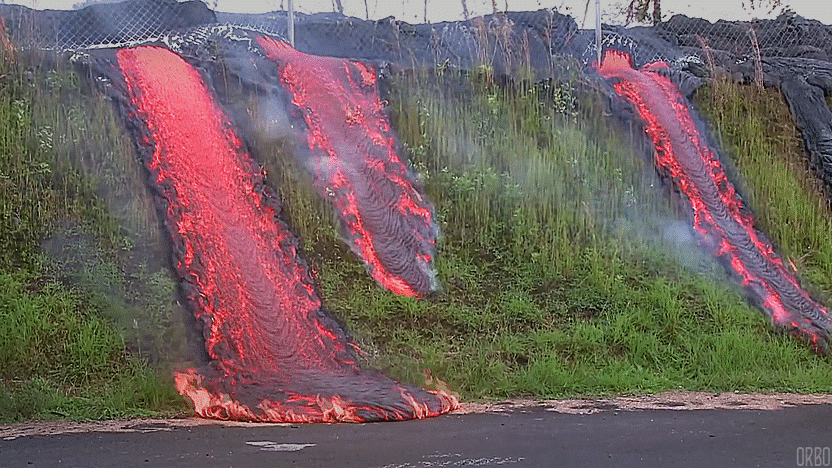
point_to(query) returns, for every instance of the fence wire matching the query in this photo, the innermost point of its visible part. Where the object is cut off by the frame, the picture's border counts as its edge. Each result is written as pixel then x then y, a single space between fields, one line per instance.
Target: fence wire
pixel 114 25
pixel 787 36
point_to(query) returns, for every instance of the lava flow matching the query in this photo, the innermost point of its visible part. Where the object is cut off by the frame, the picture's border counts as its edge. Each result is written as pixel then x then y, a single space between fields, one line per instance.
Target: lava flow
pixel 276 354
pixel 719 216
pixel 357 167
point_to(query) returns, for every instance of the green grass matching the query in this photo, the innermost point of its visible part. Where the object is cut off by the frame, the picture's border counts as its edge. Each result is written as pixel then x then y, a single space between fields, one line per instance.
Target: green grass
pixel 565 262
pixel 89 326
pixel 63 358
pixel 567 266
pixel 785 195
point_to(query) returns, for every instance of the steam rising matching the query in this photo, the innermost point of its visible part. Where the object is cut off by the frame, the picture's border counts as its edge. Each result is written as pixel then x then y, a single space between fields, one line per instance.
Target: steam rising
pixel 720 219
pixel 357 166
pixel 276 353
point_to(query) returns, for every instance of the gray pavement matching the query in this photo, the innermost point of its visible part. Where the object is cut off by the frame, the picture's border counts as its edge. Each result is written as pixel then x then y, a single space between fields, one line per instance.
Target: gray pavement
pixel 519 437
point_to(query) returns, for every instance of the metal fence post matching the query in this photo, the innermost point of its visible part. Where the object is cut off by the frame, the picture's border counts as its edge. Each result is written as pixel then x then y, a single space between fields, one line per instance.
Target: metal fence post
pixel 597 31
pixel 292 22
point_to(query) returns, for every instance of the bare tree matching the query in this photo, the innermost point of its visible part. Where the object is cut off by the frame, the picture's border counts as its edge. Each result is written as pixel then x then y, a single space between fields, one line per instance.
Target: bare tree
pixel 640 10
pixel 769 6
pixel 339 6
pixel 465 10
pixel 586 12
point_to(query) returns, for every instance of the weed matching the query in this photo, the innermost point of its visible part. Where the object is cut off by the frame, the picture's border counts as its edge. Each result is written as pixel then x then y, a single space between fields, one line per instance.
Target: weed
pixel 568 268
pixel 786 197
pixel 567 265
pixel 79 243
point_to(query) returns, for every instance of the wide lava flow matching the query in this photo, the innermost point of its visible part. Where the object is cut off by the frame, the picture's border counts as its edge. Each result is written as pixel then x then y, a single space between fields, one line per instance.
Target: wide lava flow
pixel 275 353
pixel 720 219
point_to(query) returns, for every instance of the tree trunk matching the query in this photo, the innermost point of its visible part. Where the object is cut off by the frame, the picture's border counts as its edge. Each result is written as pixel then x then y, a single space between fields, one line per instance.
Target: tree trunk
pixel 657 12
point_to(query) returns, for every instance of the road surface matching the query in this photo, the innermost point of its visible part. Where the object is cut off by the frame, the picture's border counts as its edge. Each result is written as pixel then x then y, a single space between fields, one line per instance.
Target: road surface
pixel 595 434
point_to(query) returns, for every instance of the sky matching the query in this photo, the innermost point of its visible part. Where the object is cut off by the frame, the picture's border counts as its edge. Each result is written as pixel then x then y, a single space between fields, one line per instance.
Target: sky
pixel 413 11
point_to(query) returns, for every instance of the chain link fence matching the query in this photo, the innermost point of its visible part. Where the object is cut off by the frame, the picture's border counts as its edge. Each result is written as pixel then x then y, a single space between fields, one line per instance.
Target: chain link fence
pixel 101 25
pixel 786 36
pixel 121 24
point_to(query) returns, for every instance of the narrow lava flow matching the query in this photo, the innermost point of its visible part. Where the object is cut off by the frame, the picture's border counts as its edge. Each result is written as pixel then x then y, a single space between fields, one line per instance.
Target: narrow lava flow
pixel 720 219
pixel 356 165
pixel 276 353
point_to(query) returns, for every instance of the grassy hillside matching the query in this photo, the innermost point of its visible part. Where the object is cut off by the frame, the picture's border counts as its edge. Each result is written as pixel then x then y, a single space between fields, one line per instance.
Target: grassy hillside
pixel 567 265
pixel 86 307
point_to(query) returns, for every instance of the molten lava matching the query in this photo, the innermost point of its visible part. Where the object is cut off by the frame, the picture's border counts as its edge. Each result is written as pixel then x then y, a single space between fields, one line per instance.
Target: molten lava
pixel 719 216
pixel 357 166
pixel 276 354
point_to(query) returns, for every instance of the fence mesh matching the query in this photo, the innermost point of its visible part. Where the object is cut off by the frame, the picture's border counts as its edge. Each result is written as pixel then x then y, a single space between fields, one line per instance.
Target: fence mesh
pixel 104 25
pixel 787 36
pixel 138 21
pixel 116 25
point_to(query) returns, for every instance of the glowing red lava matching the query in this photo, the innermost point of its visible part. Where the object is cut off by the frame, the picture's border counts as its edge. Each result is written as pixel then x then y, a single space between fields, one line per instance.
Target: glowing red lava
pixel 276 354
pixel 719 217
pixel 357 166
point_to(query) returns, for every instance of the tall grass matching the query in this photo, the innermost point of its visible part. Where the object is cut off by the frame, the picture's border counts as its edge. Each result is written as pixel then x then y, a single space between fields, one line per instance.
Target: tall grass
pixel 568 267
pixel 787 198
pixel 62 358
pixel 85 305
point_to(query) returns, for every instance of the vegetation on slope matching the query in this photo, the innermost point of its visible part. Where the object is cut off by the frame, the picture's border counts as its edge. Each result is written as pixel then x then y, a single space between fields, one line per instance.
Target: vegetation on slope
pixel 568 266
pixel 787 198
pixel 83 310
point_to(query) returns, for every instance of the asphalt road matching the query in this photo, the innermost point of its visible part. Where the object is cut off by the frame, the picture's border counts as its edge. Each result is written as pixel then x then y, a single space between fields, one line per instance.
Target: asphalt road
pixel 521 437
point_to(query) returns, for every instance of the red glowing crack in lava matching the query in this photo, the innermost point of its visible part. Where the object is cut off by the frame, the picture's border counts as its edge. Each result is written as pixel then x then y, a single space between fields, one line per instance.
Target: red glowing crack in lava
pixel 357 166
pixel 719 217
pixel 276 354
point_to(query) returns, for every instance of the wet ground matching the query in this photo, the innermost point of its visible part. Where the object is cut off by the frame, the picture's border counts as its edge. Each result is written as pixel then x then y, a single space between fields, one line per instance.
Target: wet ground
pixel 678 430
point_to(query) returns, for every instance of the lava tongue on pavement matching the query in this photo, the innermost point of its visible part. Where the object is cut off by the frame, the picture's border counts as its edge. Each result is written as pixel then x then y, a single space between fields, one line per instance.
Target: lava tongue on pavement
pixel 276 354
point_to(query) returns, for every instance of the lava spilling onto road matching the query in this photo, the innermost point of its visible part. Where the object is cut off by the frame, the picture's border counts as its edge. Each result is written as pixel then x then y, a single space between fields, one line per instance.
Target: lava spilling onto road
pixel 276 354
pixel 356 165
pixel 720 219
